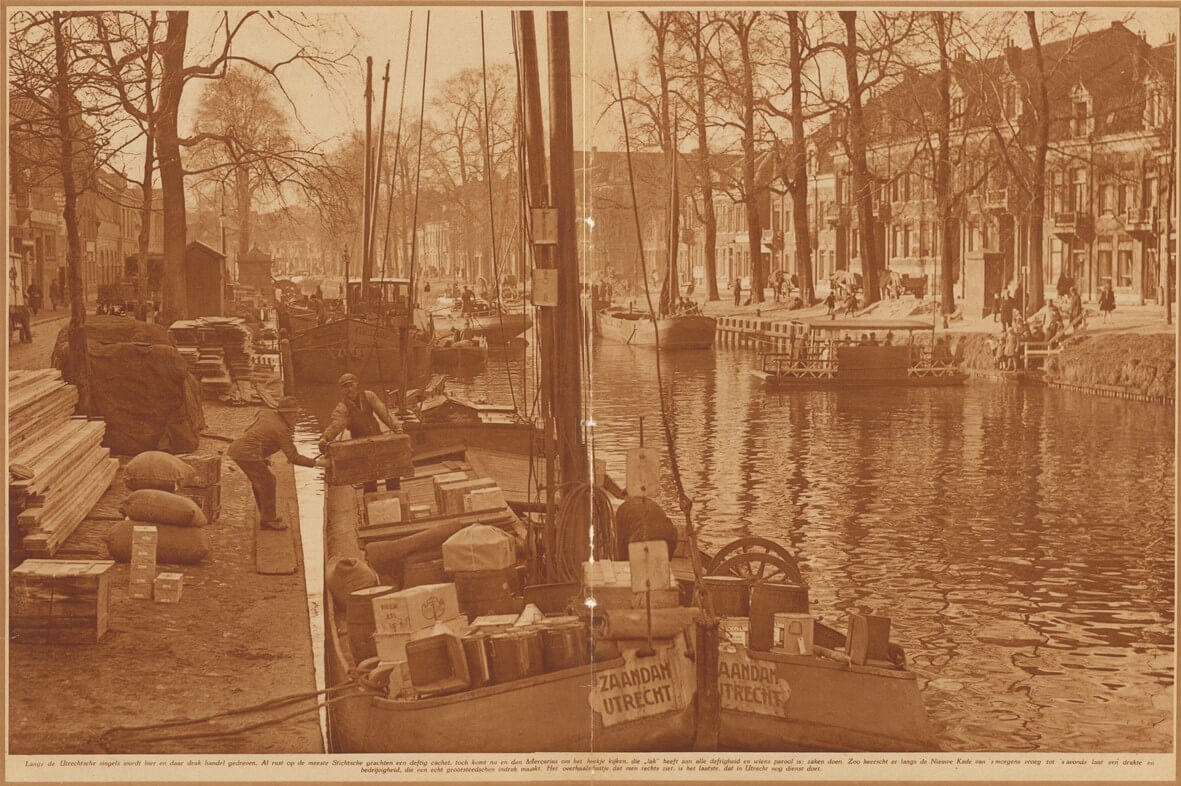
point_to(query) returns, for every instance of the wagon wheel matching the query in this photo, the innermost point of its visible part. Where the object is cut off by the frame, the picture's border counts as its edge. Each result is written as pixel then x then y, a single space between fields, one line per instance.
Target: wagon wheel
pixel 756 560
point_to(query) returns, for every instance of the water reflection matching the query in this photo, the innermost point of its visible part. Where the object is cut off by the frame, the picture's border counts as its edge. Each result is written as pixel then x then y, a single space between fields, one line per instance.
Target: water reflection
pixel 1021 539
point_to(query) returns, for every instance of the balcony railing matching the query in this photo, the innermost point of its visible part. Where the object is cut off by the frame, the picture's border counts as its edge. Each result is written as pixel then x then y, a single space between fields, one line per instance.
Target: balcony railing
pixel 1071 223
pixel 1138 219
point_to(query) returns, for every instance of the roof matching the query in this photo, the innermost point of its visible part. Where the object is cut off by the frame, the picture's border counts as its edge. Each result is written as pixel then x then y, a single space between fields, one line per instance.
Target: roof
pixel 197 245
pixel 864 324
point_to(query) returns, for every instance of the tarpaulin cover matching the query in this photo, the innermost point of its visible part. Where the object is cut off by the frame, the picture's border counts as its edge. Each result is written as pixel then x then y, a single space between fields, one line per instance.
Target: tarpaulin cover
pixel 143 391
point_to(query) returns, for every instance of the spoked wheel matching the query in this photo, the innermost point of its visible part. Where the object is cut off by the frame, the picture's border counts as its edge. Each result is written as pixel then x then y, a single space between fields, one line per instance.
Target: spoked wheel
pixel 756 560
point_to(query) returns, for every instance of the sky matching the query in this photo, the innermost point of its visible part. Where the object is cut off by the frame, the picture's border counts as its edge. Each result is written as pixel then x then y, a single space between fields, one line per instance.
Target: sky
pixel 326 112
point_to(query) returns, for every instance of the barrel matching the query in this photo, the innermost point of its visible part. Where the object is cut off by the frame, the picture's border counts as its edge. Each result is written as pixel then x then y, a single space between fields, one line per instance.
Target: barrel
pixel 730 595
pixel 479 664
pixel 415 574
pixel 765 601
pixel 360 621
pixel 564 646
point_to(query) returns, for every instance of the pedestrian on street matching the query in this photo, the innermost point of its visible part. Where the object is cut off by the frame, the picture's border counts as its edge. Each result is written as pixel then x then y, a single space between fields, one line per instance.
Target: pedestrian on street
pixel 1075 314
pixel 831 303
pixel 268 434
pixel 1107 301
pixel 737 291
pixel 359 411
pixel 1007 306
pixel 54 295
pixel 34 292
pixel 851 304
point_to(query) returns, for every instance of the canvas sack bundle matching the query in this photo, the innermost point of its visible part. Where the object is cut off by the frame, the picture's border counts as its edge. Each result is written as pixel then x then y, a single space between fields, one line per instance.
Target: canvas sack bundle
pixel 163 507
pixel 155 469
pixel 174 545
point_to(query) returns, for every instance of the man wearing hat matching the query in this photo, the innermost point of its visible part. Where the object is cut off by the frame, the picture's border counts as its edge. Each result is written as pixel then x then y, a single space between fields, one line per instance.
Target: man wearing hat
pixel 359 412
pixel 268 434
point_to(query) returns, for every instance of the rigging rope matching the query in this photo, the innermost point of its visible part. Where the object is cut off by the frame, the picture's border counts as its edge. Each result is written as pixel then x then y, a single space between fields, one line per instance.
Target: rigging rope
pixel 683 500
pixel 397 150
pixel 426 41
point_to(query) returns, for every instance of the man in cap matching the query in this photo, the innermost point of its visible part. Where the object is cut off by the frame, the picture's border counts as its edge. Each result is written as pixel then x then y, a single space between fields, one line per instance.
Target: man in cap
pixel 359 411
pixel 268 434
pixel 639 519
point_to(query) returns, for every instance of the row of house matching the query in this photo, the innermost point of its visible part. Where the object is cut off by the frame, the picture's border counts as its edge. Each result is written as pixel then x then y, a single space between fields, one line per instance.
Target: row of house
pixel 1108 180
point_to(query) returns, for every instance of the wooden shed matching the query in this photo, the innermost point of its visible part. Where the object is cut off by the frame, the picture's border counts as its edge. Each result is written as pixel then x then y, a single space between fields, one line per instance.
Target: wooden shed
pixel 205 279
pixel 254 270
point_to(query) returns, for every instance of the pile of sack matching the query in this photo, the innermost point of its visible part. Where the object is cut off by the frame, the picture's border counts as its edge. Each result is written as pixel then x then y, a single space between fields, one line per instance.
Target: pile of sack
pixel 154 478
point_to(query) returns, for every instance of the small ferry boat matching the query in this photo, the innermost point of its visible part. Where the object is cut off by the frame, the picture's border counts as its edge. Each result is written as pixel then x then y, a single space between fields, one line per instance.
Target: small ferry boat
pixel 494 325
pixel 626 325
pixel 838 353
pixel 459 357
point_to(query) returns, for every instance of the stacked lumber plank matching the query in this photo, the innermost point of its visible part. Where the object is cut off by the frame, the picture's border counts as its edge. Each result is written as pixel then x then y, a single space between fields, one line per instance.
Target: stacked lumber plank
pixel 216 349
pixel 59 468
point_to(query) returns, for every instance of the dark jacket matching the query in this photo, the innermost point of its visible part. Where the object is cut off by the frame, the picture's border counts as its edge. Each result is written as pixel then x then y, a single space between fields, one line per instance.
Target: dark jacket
pixel 268 434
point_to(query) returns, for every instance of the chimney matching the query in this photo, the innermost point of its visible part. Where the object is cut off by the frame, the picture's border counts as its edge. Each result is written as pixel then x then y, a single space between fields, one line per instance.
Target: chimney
pixel 1013 56
pixel 1117 25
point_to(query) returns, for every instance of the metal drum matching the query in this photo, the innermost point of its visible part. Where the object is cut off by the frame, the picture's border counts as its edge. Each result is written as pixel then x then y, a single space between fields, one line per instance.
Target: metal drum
pixel 515 655
pixel 730 595
pixel 564 646
pixel 479 663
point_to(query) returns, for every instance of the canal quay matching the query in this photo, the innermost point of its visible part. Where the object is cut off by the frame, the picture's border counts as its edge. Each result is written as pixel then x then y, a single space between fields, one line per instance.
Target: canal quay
pixel 1019 536
pixel 596 420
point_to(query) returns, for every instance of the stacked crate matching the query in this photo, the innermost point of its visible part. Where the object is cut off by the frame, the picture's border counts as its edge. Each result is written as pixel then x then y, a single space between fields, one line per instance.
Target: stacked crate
pixel 59 601
pixel 143 562
pixel 204 487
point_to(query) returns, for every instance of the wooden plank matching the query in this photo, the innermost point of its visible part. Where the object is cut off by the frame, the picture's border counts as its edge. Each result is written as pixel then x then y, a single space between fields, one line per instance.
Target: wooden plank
pixel 67 444
pixel 68 490
pixel 61 523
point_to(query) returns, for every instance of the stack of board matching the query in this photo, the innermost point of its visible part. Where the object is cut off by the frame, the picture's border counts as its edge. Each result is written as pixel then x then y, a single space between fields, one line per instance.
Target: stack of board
pixel 217 350
pixel 58 468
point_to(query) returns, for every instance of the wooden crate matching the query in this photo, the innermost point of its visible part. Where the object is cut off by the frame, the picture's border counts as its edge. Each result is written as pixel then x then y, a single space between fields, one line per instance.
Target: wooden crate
pixel 208 498
pixel 353 461
pixel 60 601
pixel 206 469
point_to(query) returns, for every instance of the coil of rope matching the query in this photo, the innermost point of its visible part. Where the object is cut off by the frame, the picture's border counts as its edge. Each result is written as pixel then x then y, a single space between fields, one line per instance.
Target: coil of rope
pixel 580 500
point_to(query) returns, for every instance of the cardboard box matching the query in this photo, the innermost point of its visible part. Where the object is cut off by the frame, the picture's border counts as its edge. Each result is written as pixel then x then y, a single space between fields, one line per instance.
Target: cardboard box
pixel 143 553
pixel 479 547
pixel 142 572
pixel 791 632
pixel 735 629
pixel 413 609
pixel 59 601
pixel 140 590
pixel 420 511
pixel 438 665
pixel 168 587
pixel 450 495
pixel 386 507
pixel 143 535
pixel 392 646
pixel 623 598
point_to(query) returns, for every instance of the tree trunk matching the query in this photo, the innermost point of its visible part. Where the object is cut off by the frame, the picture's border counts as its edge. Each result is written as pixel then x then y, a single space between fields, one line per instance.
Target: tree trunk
pixel 943 198
pixel 798 181
pixel 79 363
pixel 708 219
pixel 862 192
pixel 1035 287
pixel 145 226
pixel 754 226
pixel 172 176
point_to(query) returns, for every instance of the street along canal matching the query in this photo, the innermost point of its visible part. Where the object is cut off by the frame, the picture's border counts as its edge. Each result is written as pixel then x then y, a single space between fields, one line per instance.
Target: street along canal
pixel 1021 538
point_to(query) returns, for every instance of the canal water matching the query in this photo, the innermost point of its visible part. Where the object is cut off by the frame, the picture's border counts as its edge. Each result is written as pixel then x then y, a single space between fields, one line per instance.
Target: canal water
pixel 1021 539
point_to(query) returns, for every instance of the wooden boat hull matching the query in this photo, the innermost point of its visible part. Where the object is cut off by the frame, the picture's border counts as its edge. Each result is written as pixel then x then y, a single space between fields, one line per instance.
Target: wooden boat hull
pixel 459 358
pixel 374 353
pixel 551 712
pixel 635 329
pixel 827 706
pixel 496 328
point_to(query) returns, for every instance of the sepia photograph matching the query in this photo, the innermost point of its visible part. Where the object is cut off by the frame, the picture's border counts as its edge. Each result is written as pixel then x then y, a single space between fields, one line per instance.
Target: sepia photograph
pixel 454 391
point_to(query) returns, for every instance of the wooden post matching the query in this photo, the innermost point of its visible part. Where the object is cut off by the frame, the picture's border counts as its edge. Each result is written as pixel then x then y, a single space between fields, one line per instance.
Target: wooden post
pixel 287 368
pixel 371 227
pixel 709 705
pixel 567 328
pixel 543 259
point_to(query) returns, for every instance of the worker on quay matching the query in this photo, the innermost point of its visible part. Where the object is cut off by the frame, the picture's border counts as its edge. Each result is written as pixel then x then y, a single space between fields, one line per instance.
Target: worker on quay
pixel 359 411
pixel 268 434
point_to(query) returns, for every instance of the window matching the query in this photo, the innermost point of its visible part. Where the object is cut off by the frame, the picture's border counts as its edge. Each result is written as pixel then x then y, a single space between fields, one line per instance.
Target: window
pixel 957 107
pixel 906 240
pixel 1055 256
pixel 1107 197
pixel 1081 123
pixel 1078 190
pixel 923 245
pixel 1127 197
pixel 1010 101
pixel 1154 105
pixel 1123 271
pixel 971 237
